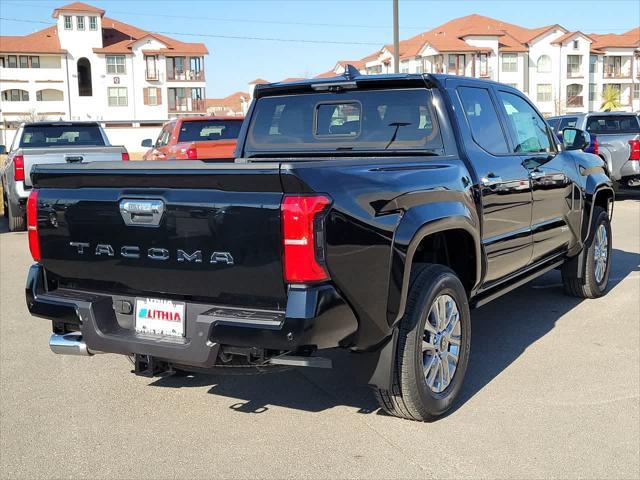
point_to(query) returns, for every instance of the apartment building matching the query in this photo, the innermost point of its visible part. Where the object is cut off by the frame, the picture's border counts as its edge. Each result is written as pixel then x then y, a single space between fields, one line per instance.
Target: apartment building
pixel 560 70
pixel 91 67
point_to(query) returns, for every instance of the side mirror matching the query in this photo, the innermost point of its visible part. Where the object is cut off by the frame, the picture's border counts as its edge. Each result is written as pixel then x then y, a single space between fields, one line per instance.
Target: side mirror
pixel 147 142
pixel 3 149
pixel 575 139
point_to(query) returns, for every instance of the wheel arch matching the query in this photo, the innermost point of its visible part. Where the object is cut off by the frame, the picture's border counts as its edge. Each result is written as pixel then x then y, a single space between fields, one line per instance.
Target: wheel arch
pixel 443 225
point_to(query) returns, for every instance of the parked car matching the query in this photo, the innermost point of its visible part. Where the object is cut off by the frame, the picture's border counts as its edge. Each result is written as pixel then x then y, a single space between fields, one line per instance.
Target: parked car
pixel 618 141
pixel 49 142
pixel 558 124
pixel 194 138
pixel 363 212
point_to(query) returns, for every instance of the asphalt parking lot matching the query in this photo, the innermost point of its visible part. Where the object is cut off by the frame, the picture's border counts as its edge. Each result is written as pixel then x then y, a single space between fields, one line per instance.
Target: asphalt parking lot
pixel 553 390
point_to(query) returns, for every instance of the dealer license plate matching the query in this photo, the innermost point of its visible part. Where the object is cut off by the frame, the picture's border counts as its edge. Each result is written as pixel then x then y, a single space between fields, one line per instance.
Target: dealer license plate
pixel 159 317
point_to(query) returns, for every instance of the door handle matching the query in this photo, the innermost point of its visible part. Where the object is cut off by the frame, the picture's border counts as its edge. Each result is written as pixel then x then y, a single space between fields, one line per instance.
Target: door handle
pixel 490 180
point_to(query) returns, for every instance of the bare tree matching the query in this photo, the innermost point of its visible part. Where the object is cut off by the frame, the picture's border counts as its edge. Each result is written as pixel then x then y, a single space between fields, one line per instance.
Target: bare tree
pixel 33 116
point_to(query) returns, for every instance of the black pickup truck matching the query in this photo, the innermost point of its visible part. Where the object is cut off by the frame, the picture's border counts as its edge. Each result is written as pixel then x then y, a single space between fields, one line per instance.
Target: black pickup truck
pixel 363 212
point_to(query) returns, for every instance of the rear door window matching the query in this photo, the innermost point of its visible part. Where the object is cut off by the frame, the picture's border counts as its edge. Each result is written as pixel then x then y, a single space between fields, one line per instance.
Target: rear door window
pixel 483 119
pixel 359 120
pixel 567 122
pixel 613 124
pixel 528 128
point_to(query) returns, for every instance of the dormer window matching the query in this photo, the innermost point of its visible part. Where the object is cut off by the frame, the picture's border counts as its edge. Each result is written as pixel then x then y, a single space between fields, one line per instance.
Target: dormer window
pixel 68 25
pixel 80 23
pixel 93 23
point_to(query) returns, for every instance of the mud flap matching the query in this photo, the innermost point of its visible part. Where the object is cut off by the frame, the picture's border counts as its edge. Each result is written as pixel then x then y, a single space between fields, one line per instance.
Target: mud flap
pixel 375 368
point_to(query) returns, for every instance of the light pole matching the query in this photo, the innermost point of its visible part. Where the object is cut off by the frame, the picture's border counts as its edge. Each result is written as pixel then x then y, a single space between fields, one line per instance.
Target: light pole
pixel 396 39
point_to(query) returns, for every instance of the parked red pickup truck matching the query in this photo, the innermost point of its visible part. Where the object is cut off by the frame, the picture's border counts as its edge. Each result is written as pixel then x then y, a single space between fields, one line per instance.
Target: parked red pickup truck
pixel 195 138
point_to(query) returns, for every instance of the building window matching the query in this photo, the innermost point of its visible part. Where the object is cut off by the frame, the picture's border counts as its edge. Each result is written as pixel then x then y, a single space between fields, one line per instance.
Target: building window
pixel 15 95
pixel 152 70
pixel 85 81
pixel 12 61
pixel 115 64
pixel 576 45
pixel 574 95
pixel 593 92
pixel 574 66
pixel 612 67
pixel 456 64
pixel 544 92
pixel 24 61
pixel 93 23
pixel 375 69
pixel 484 65
pixel 49 95
pixel 68 25
pixel 636 91
pixel 1 62
pixel 419 65
pixel 509 62
pixel 544 64
pixel 152 96
pixel 117 96
pixel 593 64
pixel 80 23
pixel 35 62
pixel 404 66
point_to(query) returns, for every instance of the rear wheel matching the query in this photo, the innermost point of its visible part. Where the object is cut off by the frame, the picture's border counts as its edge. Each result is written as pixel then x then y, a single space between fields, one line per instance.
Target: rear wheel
pixel 17 222
pixel 433 347
pixel 597 261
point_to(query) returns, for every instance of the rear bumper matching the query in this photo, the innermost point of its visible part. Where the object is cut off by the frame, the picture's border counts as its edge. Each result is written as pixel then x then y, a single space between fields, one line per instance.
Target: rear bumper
pixel 630 168
pixel 315 316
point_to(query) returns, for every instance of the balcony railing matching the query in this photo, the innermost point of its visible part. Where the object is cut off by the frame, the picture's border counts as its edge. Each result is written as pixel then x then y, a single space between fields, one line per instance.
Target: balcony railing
pixel 575 73
pixel 152 75
pixel 185 75
pixel 185 104
pixel 616 73
pixel 574 101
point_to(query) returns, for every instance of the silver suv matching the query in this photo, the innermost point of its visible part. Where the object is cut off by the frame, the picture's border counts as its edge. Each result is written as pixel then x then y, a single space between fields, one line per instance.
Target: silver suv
pixel 618 141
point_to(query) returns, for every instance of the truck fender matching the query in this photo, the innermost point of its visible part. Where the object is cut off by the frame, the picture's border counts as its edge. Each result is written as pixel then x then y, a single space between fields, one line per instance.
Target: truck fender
pixel 416 224
pixel 605 154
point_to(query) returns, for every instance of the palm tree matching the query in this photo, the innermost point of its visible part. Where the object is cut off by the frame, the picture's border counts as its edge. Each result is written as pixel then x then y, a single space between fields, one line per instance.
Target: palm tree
pixel 610 98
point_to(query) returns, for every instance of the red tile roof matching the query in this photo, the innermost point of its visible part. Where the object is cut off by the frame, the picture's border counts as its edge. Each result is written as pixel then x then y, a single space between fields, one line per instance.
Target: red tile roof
pixel 258 81
pixel 119 37
pixel 230 105
pixel 630 39
pixel 568 36
pixel 43 41
pixel 78 7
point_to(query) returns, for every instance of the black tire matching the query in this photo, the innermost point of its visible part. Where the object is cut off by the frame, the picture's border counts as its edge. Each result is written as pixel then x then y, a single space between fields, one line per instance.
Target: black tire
pixel 410 397
pixel 17 223
pixel 589 286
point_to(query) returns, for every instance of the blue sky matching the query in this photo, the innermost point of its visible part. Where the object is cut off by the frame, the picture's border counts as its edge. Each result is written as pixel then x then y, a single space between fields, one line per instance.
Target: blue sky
pixel 357 26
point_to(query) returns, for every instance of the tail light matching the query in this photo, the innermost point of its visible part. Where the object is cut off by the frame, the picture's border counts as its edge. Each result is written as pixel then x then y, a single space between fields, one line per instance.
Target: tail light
pixel 192 153
pixel 32 225
pixel 125 156
pixel 18 168
pixel 596 146
pixel 634 153
pixel 303 238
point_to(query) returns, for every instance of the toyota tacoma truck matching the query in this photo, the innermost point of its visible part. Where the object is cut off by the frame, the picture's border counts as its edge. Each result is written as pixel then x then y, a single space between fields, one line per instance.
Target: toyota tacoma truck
pixel 369 213
pixel 49 142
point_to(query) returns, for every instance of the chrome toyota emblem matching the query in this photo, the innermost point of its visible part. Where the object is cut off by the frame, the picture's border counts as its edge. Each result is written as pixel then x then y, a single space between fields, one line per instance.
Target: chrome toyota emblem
pixel 141 213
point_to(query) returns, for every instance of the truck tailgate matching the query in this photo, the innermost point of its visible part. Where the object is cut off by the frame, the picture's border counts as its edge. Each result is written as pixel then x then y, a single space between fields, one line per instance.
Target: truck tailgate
pixel 68 154
pixel 217 238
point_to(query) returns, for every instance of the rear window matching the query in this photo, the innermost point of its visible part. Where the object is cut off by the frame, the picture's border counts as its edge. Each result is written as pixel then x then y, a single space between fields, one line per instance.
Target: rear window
pixel 604 124
pixel 348 121
pixel 203 130
pixel 61 135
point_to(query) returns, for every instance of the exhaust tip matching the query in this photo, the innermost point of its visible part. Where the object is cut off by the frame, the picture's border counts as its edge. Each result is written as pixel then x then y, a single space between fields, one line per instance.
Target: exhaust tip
pixel 69 344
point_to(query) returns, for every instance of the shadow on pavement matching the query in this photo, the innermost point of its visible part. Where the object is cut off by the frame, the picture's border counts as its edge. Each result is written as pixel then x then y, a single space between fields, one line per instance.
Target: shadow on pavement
pixel 502 331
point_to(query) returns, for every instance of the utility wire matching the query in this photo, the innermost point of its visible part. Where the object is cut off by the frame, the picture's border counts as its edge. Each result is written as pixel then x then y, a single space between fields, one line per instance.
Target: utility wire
pixel 233 37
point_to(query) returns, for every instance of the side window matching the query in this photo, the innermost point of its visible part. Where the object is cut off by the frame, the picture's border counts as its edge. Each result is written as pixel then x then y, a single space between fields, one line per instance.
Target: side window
pixel 567 122
pixel 528 128
pixel 164 136
pixel 483 119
